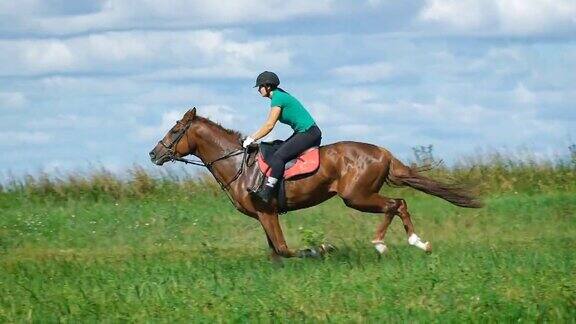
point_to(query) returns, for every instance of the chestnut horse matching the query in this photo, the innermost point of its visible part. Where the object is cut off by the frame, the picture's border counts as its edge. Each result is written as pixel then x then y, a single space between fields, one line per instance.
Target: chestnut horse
pixel 353 171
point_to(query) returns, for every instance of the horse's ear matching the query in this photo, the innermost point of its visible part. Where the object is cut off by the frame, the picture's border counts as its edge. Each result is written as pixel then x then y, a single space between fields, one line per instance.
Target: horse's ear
pixel 190 114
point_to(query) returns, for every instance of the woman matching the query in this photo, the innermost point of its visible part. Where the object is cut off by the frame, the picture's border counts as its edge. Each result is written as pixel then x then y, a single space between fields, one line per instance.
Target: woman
pixel 288 110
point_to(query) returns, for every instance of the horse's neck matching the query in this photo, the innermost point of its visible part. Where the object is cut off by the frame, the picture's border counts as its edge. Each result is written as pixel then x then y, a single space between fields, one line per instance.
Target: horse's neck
pixel 216 146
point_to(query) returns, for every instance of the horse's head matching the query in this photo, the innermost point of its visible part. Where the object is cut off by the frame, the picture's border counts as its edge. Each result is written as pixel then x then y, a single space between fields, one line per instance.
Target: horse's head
pixel 176 143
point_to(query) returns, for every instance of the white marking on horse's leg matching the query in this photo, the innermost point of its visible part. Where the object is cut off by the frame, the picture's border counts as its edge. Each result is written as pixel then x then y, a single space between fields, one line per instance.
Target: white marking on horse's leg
pixel 380 246
pixel 416 241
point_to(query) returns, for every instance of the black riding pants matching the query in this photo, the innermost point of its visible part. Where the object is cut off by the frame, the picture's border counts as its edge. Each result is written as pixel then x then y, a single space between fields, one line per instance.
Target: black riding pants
pixel 292 147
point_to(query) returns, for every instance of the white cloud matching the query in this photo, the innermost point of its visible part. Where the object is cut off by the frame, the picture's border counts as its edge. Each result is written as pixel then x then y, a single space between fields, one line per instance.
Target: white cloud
pixel 454 123
pixel 353 96
pixel 375 3
pixel 460 14
pixel 516 17
pixel 356 130
pixel 89 85
pixel 535 16
pixel 523 95
pixel 449 112
pixel 362 73
pixel 11 138
pixel 151 13
pixel 440 113
pixel 47 55
pixel 178 95
pixel 157 132
pixel 222 114
pixel 23 7
pixel 455 92
pixel 325 114
pixel 202 53
pixel 67 121
pixel 12 100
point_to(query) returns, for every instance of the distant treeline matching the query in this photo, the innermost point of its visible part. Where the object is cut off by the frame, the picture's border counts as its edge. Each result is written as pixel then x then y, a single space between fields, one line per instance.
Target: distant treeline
pixel 490 173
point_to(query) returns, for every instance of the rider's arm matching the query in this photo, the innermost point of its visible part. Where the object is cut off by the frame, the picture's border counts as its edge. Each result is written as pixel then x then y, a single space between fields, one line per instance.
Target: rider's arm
pixel 269 124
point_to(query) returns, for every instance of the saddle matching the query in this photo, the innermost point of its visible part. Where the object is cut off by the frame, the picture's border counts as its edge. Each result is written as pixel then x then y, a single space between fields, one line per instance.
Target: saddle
pixel 303 165
pixel 307 162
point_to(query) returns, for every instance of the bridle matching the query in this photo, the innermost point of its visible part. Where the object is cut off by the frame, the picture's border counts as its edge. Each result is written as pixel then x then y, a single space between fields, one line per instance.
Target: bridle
pixel 172 157
pixel 171 152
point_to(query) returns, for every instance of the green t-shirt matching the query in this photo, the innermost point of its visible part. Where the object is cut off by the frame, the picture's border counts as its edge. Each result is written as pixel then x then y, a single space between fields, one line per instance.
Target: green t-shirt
pixel 293 113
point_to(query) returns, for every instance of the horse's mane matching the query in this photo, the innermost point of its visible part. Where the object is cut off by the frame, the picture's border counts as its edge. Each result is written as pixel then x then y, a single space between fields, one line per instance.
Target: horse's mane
pixel 212 124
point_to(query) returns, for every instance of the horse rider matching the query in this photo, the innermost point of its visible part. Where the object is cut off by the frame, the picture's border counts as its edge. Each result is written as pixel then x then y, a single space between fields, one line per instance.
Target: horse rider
pixel 288 110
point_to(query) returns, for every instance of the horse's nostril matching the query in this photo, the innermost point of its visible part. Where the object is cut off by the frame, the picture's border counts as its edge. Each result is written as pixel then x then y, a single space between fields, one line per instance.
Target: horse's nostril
pixel 152 155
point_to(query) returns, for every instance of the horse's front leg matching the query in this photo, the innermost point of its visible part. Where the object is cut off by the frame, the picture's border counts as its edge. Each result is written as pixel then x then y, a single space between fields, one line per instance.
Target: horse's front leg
pixel 275 257
pixel 276 240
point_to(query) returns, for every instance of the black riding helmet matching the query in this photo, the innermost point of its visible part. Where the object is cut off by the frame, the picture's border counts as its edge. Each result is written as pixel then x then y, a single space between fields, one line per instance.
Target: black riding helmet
pixel 267 78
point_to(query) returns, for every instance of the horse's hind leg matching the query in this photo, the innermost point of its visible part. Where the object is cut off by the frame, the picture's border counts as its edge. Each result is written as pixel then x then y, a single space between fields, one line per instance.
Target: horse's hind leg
pixel 378 240
pixel 413 239
pixel 375 203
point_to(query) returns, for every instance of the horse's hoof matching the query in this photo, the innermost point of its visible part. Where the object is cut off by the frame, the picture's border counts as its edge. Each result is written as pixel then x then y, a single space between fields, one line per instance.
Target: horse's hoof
pixel 327 248
pixel 275 258
pixel 428 247
pixel 316 252
pixel 308 253
pixel 381 248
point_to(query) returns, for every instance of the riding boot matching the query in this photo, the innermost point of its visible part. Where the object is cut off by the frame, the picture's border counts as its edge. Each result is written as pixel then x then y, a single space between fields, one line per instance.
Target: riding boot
pixel 266 193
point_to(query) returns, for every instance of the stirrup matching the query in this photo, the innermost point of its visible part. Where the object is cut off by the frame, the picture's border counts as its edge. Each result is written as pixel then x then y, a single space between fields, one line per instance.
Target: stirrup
pixel 265 193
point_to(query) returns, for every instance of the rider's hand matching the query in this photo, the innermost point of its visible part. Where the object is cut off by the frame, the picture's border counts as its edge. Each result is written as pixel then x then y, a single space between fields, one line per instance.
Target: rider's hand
pixel 249 140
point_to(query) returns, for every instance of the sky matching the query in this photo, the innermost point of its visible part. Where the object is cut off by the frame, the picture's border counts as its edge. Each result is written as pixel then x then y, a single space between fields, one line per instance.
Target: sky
pixel 96 83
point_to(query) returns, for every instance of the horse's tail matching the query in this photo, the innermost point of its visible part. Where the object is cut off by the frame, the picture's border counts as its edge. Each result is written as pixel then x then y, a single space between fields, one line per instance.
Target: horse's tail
pixel 401 174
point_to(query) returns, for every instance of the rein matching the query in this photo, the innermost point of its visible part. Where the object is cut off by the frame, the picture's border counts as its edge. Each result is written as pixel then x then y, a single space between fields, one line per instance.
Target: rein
pixel 224 186
pixel 209 165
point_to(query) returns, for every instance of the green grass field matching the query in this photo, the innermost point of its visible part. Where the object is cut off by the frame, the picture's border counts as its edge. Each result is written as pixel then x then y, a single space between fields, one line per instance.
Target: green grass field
pixel 103 249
